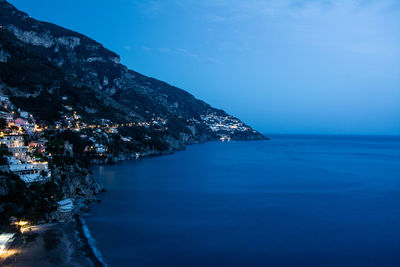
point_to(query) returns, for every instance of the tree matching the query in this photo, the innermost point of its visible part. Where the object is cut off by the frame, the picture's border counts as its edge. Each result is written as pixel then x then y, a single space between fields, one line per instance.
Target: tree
pixel 4 152
pixel 3 124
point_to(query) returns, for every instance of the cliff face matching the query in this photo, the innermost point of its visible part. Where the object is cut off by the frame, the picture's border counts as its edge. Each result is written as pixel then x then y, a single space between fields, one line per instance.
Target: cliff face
pixel 37 202
pixel 78 68
pixel 76 182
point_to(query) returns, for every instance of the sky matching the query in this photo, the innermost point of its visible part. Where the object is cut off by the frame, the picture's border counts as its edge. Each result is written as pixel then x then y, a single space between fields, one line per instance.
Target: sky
pixel 282 66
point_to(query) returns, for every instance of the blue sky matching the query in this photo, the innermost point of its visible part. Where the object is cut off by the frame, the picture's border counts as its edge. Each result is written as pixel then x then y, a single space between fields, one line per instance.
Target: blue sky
pixel 282 66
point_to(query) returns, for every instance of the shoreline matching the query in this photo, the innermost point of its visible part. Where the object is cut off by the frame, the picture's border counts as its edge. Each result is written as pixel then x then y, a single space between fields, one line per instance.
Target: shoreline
pixel 95 253
pixel 155 153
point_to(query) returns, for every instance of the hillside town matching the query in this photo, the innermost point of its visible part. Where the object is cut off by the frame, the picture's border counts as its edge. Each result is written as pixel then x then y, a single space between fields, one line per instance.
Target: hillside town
pixel 225 126
pixel 27 159
pixel 25 140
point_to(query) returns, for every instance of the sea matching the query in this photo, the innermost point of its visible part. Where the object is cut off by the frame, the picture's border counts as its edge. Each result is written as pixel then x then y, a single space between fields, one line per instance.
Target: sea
pixel 294 200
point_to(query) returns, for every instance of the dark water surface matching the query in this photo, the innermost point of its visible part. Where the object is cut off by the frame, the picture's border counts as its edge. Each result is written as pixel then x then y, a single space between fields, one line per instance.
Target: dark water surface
pixel 291 201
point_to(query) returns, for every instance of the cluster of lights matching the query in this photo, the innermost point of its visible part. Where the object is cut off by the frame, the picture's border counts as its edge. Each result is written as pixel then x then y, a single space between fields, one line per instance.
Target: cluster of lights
pixel 8 253
pixel 23 226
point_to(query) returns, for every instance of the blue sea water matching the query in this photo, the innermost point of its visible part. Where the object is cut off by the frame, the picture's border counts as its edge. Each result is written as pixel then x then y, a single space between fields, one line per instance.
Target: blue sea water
pixel 290 201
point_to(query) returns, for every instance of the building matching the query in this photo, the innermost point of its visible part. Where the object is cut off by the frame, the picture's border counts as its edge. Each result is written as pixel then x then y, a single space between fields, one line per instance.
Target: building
pixel 42 165
pixel 24 114
pixel 65 205
pixel 4 98
pixel 39 146
pixel 12 140
pixel 28 172
pixel 21 123
pixel 20 152
pixel 5 241
pixel 68 149
pixel 16 145
pixel 7 116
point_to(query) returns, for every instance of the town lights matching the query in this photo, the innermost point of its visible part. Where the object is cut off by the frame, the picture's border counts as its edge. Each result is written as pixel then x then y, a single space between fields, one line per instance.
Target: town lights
pixel 7 253
pixel 23 225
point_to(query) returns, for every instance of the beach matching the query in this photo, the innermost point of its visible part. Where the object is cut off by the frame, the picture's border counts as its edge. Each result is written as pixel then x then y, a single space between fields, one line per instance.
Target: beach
pixel 60 244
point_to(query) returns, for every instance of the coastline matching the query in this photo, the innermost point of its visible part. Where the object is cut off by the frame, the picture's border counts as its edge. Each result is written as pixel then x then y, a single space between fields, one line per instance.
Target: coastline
pixel 29 249
pixel 95 254
pixel 152 227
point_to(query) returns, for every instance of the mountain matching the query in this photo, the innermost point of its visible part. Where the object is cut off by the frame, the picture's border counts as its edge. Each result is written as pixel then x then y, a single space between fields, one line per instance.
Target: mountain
pixel 47 70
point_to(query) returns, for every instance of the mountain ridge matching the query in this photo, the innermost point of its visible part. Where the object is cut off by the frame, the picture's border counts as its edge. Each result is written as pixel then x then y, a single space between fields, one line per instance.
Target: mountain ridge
pixel 81 65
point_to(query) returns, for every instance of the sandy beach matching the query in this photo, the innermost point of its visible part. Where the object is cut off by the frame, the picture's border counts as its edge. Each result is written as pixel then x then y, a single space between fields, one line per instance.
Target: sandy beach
pixel 61 244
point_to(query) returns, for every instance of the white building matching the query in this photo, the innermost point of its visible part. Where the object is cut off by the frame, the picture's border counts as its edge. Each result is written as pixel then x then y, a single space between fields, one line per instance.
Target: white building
pixel 20 152
pixel 65 205
pixel 28 172
pixel 24 114
pixel 5 241
pixel 4 98
pixel 12 140
pixel 7 116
